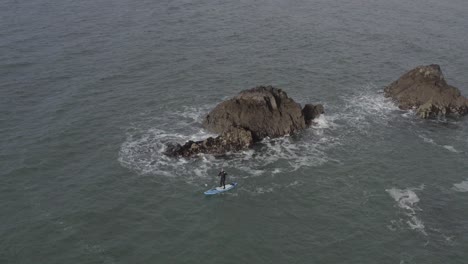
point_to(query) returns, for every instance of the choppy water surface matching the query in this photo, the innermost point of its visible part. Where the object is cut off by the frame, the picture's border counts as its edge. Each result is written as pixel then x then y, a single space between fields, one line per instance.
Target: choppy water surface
pixel 90 92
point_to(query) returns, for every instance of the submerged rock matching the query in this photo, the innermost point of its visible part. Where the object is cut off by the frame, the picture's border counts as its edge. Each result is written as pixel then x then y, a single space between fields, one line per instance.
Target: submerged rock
pixel 424 88
pixel 249 117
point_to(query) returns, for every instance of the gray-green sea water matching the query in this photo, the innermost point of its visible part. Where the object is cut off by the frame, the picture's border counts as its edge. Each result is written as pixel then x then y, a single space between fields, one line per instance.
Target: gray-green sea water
pixel 90 92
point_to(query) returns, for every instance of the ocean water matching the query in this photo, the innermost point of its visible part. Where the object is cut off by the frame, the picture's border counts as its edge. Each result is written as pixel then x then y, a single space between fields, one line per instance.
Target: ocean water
pixel 91 91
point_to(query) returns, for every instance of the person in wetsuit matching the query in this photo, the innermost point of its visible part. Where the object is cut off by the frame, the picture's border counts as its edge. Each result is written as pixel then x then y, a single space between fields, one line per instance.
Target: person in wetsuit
pixel 222 181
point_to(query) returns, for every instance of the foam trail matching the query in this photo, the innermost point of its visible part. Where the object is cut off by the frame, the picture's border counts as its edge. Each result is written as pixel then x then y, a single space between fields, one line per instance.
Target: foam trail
pixel 461 187
pixel 407 200
pixel 427 140
pixel 294 183
pixel 431 141
pixel 450 148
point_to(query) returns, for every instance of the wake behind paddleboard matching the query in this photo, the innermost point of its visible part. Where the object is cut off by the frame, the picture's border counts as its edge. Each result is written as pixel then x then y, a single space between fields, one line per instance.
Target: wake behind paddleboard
pixel 217 190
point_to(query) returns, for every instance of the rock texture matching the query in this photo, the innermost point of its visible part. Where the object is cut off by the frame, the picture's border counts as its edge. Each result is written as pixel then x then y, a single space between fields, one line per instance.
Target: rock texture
pixel 249 117
pixel 265 111
pixel 424 88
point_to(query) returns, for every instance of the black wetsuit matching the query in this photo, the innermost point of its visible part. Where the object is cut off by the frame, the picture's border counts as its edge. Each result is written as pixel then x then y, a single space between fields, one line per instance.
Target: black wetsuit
pixel 222 181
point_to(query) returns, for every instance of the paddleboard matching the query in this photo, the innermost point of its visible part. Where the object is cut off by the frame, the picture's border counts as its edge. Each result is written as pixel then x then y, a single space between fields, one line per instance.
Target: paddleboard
pixel 217 190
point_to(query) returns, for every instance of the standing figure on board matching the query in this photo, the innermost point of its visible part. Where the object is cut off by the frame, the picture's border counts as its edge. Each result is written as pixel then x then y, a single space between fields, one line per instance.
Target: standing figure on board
pixel 222 181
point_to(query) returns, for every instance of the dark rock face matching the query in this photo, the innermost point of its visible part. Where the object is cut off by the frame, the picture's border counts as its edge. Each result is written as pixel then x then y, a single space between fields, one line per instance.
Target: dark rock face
pixel 310 112
pixel 264 111
pixel 252 115
pixel 424 88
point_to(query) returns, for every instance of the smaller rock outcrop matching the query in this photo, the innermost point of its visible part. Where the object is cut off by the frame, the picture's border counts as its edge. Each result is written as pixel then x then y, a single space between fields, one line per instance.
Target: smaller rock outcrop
pixel 234 139
pixel 310 112
pixel 424 88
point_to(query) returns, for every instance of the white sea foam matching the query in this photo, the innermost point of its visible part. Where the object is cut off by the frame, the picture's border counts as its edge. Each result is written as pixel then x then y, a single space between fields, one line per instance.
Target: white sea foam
pixel 416 224
pixel 369 102
pixel 325 121
pixel 143 149
pixel 408 114
pixel 324 124
pixel 143 153
pixel 321 122
pixel 194 114
pixel 461 187
pixel 276 171
pixel 427 140
pixel 450 148
pixel 294 183
pixel 364 109
pixel 431 141
pixel 407 200
pixel 262 190
pixel 250 171
pixel 297 154
pixel 201 134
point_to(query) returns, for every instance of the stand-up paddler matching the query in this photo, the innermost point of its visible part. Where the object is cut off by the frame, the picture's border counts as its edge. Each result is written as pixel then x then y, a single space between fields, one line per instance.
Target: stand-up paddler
pixel 222 181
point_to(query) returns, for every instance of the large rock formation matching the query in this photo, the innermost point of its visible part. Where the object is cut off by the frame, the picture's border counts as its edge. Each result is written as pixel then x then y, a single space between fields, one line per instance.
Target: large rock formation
pixel 249 117
pixel 264 111
pixel 424 88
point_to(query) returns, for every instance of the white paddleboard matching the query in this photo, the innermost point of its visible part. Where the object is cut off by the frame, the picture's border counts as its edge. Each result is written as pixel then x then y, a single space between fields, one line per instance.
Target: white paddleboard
pixel 217 190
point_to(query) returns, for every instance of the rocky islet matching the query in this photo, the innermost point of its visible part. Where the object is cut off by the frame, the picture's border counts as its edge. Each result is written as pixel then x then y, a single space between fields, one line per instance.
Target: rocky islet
pixel 425 90
pixel 249 117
